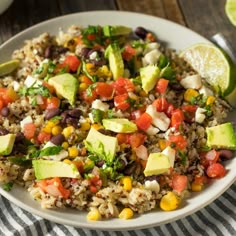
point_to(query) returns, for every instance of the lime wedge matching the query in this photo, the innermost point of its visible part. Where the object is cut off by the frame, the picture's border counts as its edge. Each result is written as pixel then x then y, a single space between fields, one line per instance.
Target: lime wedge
pixel 230 10
pixel 213 65
pixel 8 67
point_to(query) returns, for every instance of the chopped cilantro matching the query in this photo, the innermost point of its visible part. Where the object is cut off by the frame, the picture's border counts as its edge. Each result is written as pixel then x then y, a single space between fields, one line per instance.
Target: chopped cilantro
pixel 183 157
pixel 90 89
pixel 7 186
pixel 50 151
pixel 32 91
pixel 56 118
pixel 110 113
pixel 163 61
pixel 97 115
pixel 137 81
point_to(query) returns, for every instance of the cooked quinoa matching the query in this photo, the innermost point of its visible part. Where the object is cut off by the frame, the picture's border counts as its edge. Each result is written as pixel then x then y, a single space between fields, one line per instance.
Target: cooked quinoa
pixel 106 187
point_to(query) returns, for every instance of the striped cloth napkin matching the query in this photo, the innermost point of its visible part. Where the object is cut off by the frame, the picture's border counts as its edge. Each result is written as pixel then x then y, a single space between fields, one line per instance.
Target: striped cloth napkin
pixel 218 218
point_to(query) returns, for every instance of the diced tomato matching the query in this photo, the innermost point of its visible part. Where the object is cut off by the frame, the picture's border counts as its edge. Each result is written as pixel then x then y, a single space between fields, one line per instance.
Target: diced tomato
pixel 123 85
pixel 95 183
pixel 178 141
pixel 121 102
pixel 136 139
pixel 1 104
pixel 161 104
pixel 128 53
pixel 104 90
pixel 60 67
pixel 144 121
pixel 170 110
pixel 162 85
pixel 91 37
pixel 72 62
pixel 93 189
pixel 8 95
pixel 210 157
pixel 89 97
pixel 49 87
pixel 177 118
pixel 29 130
pixel 179 183
pixel 43 137
pixel 85 79
pixel 216 170
pixel 53 102
pixel 43 106
pixel 134 115
pixel 80 166
pixel 143 163
pixel 54 186
pixel 200 179
pixel 189 112
pixel 122 138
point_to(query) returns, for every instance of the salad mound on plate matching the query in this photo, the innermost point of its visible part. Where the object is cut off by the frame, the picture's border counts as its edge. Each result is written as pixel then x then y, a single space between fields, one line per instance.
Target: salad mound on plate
pixel 106 119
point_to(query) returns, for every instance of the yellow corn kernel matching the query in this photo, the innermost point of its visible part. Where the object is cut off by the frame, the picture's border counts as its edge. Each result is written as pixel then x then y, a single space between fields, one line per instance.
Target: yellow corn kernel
pixel 210 100
pixel 65 145
pixel 47 129
pixel 73 151
pixel 71 44
pixel 97 126
pixel 67 161
pixel 53 123
pixel 127 183
pixel 56 130
pixel 126 214
pixel 90 68
pixel 162 144
pixel 94 214
pixel 169 202
pixel 142 93
pixel 68 131
pixel 85 126
pixel 189 94
pixel 83 87
pixel 196 187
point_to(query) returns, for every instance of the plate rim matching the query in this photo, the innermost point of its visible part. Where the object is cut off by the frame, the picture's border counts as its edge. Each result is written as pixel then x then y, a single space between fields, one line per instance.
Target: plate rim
pixel 89 225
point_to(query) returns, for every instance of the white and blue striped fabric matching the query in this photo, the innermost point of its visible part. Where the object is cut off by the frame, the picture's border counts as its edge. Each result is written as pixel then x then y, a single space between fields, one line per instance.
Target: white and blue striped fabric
pixel 218 218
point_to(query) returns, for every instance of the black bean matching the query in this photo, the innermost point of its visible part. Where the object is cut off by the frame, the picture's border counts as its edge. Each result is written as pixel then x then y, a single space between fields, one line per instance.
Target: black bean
pixel 64 116
pixel 50 113
pixel 61 50
pixel 141 32
pixel 72 121
pixel 5 111
pixel 3 131
pixel 48 52
pixel 226 154
pixel 153 177
pixel 123 164
pixel 100 163
pixel 130 169
pixel 57 139
pixel 84 52
pixel 19 137
pixel 99 62
pixel 75 113
pixel 176 86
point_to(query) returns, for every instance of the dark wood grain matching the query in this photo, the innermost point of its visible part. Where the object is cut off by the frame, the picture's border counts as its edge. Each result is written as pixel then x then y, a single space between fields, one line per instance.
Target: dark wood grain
pixel 24 13
pixel 208 18
pixel 168 9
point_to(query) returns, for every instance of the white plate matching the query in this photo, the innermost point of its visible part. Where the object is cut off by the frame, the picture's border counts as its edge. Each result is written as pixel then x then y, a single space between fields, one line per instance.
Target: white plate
pixel 177 37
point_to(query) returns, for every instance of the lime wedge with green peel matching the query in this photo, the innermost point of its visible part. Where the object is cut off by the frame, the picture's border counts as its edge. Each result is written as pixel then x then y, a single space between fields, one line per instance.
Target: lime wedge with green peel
pixel 8 67
pixel 230 10
pixel 213 65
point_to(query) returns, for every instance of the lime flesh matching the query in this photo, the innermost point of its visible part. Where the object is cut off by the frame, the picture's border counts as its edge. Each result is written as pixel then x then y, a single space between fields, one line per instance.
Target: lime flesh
pixel 230 10
pixel 212 64
pixel 8 67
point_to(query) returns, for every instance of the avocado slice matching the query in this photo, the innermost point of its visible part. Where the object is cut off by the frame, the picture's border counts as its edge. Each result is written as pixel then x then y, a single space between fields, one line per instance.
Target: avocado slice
pixel 66 86
pixel 113 53
pixel 221 136
pixel 119 125
pixel 6 144
pixel 47 169
pixel 102 145
pixel 149 77
pixel 157 163
pixel 8 67
pixel 115 30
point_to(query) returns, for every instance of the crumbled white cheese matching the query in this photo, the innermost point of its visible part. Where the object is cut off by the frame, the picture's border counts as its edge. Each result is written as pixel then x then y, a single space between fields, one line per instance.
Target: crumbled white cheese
pixel 152 130
pixel 93 55
pixel 150 46
pixel 199 115
pixel 26 120
pixel 192 81
pixel 98 104
pixel 16 86
pixel 152 185
pixel 31 81
pixel 206 91
pixel 91 118
pixel 151 57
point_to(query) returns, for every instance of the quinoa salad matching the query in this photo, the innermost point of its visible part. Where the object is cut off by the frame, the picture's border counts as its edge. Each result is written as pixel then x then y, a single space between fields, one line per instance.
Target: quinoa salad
pixel 107 120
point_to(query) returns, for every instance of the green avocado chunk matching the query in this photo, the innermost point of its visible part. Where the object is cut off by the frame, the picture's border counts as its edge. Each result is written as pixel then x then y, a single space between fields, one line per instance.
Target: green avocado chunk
pixel 48 169
pixel 66 86
pixel 8 67
pixel 149 77
pixel 119 125
pixel 116 30
pixel 221 136
pixel 157 163
pixel 116 64
pixel 102 145
pixel 6 144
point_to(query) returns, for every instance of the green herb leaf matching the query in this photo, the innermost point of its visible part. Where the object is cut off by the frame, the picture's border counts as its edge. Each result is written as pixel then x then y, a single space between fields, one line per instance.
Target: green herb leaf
pixel 90 89
pixel 97 115
pixel 21 161
pixel 93 78
pixel 110 113
pixel 168 73
pixel 7 186
pixel 56 118
pixel 183 157
pixel 163 61
pixel 50 151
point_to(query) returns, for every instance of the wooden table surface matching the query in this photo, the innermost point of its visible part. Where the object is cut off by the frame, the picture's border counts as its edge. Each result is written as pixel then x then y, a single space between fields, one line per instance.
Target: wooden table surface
pixel 205 17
